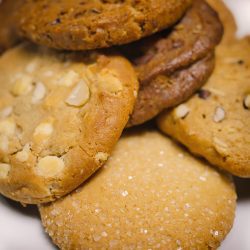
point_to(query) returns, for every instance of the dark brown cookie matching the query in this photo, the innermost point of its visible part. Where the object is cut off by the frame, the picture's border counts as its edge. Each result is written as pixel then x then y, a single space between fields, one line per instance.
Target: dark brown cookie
pixel 169 91
pixel 8 34
pixel 173 64
pixel 81 25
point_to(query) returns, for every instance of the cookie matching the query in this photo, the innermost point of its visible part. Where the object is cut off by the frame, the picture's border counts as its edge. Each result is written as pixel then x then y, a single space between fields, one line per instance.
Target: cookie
pixel 166 60
pixel 8 33
pixel 60 116
pixel 83 25
pixel 215 122
pixel 167 91
pixel 227 19
pixel 151 194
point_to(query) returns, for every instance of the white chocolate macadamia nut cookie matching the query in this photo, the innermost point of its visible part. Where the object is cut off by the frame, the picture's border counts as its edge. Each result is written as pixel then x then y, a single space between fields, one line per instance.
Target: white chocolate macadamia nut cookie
pixel 151 194
pixel 61 113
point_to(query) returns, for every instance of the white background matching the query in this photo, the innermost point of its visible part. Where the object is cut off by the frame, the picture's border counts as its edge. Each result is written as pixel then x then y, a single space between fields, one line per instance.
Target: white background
pixel 20 228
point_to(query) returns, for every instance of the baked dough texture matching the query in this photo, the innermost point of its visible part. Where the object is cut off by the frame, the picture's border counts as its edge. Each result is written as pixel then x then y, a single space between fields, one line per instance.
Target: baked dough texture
pixel 215 122
pixel 90 24
pixel 60 116
pixel 151 194
pixel 175 63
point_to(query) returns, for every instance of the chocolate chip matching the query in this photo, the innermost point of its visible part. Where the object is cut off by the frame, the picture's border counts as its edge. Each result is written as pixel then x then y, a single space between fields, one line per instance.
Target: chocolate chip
pixel 204 94
pixel 240 62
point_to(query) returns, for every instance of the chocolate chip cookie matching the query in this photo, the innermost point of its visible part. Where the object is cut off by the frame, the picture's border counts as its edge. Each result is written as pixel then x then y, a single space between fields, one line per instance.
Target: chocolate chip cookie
pixel 82 25
pixel 173 64
pixel 60 116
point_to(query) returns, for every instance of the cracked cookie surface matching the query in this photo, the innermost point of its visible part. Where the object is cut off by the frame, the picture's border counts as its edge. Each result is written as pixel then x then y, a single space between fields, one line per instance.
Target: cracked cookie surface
pixel 215 123
pixel 90 24
pixel 173 64
pixel 60 116
pixel 148 195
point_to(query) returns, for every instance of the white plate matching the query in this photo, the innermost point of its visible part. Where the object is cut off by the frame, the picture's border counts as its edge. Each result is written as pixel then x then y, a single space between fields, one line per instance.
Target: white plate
pixel 20 228
pixel 239 237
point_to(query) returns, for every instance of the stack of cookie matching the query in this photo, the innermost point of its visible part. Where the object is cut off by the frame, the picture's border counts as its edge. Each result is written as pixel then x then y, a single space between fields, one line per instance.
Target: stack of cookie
pixel 83 75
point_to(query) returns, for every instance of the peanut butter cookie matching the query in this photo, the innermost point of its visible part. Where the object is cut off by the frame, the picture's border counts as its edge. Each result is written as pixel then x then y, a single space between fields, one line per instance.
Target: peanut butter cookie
pixel 215 122
pixel 151 194
pixel 60 116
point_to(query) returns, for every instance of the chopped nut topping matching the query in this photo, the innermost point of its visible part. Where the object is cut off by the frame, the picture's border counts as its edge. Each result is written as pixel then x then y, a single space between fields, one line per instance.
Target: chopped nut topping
pixel 124 193
pixel 182 111
pixel 39 92
pixel 69 79
pixel 4 170
pixel 44 129
pixel 31 67
pixel 22 86
pixel 101 157
pixel 6 112
pixel 219 115
pixel 109 82
pixel 79 95
pixel 50 166
pixel 220 146
pixel 24 154
pixel 246 102
pixel 7 127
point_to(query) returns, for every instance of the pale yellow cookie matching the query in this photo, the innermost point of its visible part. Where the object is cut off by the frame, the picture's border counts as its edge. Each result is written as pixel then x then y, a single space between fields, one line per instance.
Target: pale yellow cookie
pixel 151 194
pixel 60 116
pixel 215 123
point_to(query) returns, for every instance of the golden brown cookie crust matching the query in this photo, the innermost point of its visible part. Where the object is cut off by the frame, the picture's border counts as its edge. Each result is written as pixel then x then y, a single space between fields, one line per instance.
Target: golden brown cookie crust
pixel 82 25
pixel 60 116
pixel 215 122
pixel 150 194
